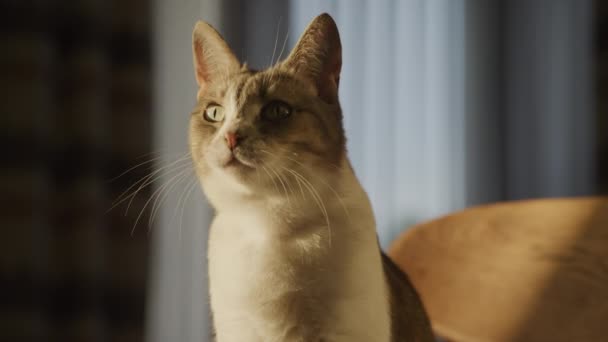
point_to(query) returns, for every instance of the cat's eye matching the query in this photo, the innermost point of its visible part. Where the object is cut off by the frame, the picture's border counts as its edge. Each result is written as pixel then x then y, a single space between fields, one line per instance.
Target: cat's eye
pixel 214 113
pixel 276 110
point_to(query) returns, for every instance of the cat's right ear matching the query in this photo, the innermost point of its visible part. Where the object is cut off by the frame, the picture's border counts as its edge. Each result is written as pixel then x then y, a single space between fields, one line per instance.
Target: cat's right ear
pixel 213 59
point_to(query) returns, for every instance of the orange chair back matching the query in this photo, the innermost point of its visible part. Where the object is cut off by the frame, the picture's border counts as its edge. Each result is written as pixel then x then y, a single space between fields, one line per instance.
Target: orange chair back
pixel 516 271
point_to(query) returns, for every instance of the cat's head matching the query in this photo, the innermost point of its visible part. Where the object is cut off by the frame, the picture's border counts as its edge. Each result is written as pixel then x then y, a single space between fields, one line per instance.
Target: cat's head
pixel 254 133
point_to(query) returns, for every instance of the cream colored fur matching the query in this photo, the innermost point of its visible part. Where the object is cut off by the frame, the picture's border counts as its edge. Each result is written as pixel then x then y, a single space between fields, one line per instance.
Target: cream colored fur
pixel 267 284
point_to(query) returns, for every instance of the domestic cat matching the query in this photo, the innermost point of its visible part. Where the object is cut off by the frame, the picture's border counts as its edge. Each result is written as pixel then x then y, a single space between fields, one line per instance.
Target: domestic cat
pixel 293 253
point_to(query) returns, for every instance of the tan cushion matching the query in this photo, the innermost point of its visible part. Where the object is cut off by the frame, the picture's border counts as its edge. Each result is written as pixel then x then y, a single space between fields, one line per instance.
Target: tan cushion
pixel 515 271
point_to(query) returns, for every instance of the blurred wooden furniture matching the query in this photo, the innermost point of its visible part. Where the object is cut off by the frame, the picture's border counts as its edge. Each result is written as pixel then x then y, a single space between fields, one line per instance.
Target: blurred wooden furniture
pixel 516 271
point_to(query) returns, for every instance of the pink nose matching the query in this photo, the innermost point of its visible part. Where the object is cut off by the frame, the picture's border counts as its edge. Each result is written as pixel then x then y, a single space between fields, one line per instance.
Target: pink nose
pixel 232 140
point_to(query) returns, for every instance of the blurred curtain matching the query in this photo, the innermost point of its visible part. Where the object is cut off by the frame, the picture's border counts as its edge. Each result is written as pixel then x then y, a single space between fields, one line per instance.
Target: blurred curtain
pixel 177 302
pixel 451 103
pixel 75 82
pixel 550 111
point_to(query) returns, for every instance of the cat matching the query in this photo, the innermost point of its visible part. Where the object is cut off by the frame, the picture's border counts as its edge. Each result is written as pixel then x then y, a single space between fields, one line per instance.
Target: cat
pixel 293 253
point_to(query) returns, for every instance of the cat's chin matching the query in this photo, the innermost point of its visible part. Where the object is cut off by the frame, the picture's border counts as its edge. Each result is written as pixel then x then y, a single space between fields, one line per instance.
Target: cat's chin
pixel 239 171
pixel 236 160
pixel 237 166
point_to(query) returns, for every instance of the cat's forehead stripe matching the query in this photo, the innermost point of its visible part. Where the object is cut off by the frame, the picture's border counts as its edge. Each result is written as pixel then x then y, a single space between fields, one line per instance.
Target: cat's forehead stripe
pixel 243 85
pixel 239 91
pixel 230 93
pixel 237 87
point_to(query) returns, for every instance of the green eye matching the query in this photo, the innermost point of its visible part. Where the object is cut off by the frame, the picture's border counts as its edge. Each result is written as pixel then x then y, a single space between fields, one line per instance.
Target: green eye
pixel 276 110
pixel 214 113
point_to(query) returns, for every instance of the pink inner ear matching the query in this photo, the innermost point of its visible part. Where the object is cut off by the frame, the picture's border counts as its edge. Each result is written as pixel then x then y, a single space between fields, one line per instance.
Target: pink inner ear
pixel 334 72
pixel 330 78
pixel 202 75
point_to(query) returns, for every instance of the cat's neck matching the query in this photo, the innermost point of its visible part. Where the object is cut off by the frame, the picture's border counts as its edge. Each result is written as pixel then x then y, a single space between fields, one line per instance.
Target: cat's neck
pixel 337 201
pixel 269 261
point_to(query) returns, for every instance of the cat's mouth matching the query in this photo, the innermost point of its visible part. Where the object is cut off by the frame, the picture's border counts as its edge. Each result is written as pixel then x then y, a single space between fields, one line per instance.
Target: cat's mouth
pixel 237 160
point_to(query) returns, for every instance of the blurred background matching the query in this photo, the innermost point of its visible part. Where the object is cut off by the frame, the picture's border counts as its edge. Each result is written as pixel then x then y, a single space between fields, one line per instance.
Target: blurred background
pixel 447 104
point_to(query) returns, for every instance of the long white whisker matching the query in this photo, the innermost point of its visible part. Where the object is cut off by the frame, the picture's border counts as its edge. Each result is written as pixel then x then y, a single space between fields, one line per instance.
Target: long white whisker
pixel 157 157
pixel 282 183
pixel 191 187
pixel 271 178
pixel 150 199
pixel 179 201
pixel 157 204
pixel 257 171
pixel 318 199
pixel 181 159
pixel 152 180
pixel 276 39
pixel 300 185
pixel 274 71
pixel 283 47
pixel 335 166
pixel 135 167
pixel 288 185
pixel 338 197
pixel 144 182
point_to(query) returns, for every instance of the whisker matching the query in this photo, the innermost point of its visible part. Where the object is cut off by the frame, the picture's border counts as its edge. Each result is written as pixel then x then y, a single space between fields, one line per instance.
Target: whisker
pixel 300 185
pixel 176 165
pixel 335 166
pixel 151 174
pixel 150 199
pixel 276 39
pixel 144 181
pixel 272 179
pixel 284 44
pixel 288 185
pixel 338 197
pixel 157 204
pixel 158 152
pixel 318 199
pixel 133 168
pixel 190 187
pixel 179 201
pixel 257 171
pixel 272 75
pixel 310 187
pixel 282 184
pixel 159 156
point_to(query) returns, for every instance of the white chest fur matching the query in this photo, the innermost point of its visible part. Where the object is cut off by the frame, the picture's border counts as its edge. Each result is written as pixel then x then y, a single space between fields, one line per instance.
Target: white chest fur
pixel 265 287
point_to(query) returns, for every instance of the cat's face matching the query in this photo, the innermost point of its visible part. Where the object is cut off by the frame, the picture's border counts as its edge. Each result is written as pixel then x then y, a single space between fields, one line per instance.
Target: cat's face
pixel 256 132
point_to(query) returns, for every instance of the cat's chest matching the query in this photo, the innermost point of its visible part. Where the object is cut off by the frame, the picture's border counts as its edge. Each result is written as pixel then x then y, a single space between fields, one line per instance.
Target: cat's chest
pixel 271 286
pixel 301 286
pixel 246 261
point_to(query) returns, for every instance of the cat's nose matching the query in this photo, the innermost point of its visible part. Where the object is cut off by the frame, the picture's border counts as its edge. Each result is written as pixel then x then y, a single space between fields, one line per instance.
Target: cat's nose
pixel 232 139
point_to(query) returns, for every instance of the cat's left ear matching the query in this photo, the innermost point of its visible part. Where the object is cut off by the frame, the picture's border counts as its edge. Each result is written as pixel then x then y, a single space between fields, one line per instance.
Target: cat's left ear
pixel 213 59
pixel 318 56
